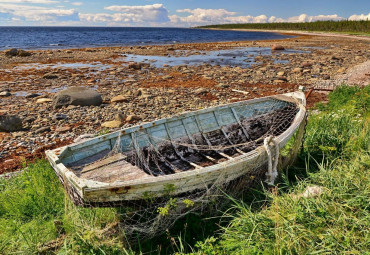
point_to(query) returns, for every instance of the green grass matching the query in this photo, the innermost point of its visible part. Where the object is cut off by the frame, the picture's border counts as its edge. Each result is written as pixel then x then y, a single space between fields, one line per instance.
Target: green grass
pixel 35 214
pixel 354 27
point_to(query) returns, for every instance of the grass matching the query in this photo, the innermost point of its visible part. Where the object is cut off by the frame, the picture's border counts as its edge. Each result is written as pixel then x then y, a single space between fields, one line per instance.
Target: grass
pixel 37 218
pixel 354 27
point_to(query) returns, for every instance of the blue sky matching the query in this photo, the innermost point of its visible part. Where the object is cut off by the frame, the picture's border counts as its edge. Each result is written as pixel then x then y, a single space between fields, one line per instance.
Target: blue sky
pixel 183 13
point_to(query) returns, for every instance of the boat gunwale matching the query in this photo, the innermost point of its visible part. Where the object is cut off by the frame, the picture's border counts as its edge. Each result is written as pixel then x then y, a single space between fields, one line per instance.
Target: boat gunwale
pixel 84 186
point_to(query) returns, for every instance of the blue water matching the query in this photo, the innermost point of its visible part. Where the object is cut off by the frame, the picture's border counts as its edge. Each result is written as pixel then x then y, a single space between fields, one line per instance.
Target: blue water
pixel 78 37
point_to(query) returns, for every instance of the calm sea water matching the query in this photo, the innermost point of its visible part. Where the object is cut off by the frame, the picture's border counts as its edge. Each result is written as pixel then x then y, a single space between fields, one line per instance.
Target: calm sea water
pixel 76 37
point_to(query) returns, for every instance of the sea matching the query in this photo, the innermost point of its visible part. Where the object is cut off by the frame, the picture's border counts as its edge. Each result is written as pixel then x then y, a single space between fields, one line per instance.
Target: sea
pixel 81 37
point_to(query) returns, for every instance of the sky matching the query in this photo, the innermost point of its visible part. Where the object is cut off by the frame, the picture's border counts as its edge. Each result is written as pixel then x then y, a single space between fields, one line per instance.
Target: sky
pixel 175 13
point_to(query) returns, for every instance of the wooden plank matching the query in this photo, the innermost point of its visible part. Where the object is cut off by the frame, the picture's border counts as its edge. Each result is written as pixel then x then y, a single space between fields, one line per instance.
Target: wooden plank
pixel 240 124
pixel 103 162
pixel 176 151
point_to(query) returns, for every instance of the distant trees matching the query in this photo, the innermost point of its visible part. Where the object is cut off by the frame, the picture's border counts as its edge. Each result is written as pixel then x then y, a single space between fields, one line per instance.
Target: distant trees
pixel 334 26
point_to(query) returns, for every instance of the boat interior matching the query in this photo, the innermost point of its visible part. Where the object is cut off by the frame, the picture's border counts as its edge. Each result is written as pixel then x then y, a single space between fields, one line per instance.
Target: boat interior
pixel 187 143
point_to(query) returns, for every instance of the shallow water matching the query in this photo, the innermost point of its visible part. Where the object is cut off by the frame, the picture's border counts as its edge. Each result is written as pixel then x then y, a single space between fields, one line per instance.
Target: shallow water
pixel 243 57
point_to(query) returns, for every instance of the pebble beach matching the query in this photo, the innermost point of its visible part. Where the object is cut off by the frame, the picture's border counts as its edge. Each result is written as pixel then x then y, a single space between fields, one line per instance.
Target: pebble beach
pixel 139 84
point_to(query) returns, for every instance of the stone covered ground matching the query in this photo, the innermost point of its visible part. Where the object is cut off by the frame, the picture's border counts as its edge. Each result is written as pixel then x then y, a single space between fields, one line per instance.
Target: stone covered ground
pixel 134 93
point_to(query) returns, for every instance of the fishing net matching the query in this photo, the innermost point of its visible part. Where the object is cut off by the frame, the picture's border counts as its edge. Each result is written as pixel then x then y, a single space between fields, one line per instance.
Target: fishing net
pixel 188 146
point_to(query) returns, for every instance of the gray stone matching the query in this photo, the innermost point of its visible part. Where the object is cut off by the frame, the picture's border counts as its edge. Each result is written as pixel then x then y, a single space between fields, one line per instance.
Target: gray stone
pixel 10 123
pixel 59 116
pixel 77 96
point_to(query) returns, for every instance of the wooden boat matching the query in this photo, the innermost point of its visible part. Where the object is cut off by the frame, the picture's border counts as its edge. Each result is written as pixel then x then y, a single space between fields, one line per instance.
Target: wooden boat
pixel 187 152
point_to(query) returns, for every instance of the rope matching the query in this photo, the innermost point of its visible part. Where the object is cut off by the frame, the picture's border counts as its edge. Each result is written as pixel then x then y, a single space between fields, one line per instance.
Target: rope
pixel 272 172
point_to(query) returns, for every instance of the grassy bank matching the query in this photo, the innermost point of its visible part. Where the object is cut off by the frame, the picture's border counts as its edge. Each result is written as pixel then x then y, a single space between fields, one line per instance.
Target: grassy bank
pixel 36 217
pixel 362 27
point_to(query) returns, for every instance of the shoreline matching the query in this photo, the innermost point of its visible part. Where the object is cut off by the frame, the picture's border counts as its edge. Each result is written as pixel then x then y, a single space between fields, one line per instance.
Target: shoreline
pixel 151 92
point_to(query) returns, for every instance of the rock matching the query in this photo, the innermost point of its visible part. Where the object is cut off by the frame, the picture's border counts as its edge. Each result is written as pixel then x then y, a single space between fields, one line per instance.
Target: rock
pixel 5 94
pixel 50 76
pixel 306 65
pixel 132 118
pixel 277 47
pixel 63 129
pixel 10 123
pixel 32 95
pixel 201 91
pixel 42 130
pixel 282 78
pixel 310 191
pixel 135 66
pixel 60 116
pixel 119 99
pixel 222 85
pixel 281 73
pixel 11 52
pixel 326 77
pixel 119 117
pixel 43 100
pixel 341 70
pixel 297 70
pixel 112 124
pixel 77 96
pixel 83 138
pixel 23 53
pixel 138 92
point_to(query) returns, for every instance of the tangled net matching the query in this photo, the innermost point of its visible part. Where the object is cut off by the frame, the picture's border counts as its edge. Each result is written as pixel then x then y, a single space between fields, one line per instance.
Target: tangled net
pixel 154 154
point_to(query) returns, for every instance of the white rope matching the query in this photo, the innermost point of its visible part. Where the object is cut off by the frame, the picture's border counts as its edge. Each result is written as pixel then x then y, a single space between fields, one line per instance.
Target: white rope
pixel 272 172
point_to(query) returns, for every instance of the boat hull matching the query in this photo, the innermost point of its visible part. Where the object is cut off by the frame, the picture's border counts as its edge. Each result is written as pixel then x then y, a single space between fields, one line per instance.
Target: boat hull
pixel 89 192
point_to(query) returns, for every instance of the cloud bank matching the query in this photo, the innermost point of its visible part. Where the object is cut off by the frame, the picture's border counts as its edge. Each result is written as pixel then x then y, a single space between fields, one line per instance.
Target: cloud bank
pixel 30 12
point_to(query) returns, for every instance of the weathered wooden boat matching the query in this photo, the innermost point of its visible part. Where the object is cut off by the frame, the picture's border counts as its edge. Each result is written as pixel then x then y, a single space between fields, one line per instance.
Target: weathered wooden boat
pixel 185 153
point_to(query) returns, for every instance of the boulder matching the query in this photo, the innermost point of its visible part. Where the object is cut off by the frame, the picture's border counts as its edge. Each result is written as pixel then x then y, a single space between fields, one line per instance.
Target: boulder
pixel 77 96
pixel 15 52
pixel 10 123
pixel 11 52
pixel 277 47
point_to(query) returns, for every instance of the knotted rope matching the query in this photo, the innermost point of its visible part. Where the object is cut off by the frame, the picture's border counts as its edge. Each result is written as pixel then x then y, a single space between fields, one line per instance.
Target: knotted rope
pixel 272 172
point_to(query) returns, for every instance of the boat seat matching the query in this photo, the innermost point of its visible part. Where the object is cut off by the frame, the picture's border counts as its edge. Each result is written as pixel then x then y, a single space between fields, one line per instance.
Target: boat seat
pixel 111 169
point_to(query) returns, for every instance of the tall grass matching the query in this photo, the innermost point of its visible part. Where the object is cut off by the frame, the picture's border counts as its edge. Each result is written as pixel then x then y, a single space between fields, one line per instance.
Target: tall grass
pixel 36 217
pixel 336 158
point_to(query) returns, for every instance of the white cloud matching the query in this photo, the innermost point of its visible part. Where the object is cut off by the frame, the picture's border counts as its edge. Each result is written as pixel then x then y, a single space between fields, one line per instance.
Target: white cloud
pixel 38 14
pixel 30 1
pixel 360 17
pixel 77 3
pixel 307 18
